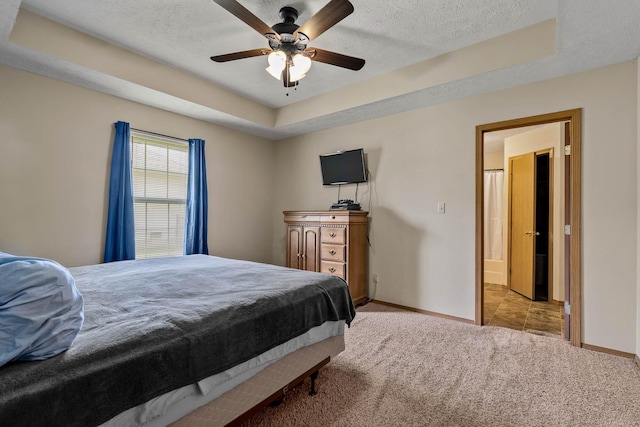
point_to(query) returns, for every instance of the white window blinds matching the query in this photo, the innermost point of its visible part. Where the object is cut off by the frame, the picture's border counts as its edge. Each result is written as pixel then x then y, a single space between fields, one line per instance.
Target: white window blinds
pixel 160 169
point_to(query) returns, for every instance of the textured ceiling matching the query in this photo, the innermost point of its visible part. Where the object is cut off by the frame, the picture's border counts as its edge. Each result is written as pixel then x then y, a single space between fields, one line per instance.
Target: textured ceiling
pixel 388 35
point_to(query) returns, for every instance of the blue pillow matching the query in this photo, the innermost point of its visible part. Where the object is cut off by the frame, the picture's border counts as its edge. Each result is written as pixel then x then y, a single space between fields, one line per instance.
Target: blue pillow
pixel 41 311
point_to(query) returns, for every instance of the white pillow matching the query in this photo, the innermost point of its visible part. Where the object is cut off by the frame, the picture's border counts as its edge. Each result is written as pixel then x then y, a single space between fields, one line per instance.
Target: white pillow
pixel 41 311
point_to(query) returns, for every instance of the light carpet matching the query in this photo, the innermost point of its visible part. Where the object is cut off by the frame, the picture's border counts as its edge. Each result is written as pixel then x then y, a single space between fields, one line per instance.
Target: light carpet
pixel 408 369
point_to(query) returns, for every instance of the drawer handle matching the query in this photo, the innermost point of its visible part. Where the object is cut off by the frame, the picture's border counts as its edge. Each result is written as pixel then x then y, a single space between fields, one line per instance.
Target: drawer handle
pixel 332 252
pixel 332 234
pixel 332 270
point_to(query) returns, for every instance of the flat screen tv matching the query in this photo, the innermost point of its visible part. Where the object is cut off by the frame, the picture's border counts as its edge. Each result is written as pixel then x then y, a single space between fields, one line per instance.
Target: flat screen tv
pixel 343 167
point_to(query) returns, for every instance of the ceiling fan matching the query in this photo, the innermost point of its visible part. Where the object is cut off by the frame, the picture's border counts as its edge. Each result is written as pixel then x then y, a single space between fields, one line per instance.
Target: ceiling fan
pixel 289 57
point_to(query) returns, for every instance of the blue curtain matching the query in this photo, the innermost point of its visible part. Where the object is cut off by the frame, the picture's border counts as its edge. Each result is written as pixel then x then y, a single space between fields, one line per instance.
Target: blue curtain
pixel 120 240
pixel 195 227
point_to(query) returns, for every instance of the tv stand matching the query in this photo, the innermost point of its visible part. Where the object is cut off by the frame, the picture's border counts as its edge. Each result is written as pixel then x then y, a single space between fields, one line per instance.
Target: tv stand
pixel 345 205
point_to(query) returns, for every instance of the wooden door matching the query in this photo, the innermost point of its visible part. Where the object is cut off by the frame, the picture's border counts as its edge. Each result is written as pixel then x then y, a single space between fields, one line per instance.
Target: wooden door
pixel 294 246
pixel 567 236
pixel 522 224
pixel 310 257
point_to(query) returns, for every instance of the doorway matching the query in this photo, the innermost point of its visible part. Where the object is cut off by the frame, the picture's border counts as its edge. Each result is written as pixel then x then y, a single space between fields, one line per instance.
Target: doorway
pixel 542 279
pixel 521 245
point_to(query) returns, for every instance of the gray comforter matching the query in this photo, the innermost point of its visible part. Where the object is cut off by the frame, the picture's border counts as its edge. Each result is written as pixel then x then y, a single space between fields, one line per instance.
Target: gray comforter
pixel 155 325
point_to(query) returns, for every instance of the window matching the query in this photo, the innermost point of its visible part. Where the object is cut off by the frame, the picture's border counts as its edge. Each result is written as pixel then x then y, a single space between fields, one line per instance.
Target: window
pixel 160 170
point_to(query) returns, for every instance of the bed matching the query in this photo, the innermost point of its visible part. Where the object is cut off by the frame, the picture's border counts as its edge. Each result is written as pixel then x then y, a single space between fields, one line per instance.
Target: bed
pixel 162 337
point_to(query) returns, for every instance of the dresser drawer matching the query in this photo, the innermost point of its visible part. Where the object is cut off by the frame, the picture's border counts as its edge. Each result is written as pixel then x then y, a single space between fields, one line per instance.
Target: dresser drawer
pixel 301 218
pixel 333 219
pixel 336 236
pixel 333 252
pixel 335 268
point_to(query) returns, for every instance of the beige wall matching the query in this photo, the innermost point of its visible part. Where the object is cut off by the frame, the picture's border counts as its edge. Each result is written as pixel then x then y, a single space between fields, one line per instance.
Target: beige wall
pixel 55 148
pixel 494 160
pixel 419 158
pixel 542 138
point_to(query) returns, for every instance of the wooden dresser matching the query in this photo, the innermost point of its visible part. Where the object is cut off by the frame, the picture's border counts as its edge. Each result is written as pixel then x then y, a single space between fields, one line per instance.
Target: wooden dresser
pixel 332 242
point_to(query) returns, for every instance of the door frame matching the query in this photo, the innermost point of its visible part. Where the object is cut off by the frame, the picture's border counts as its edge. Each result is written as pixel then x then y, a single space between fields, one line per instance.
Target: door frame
pixel 573 266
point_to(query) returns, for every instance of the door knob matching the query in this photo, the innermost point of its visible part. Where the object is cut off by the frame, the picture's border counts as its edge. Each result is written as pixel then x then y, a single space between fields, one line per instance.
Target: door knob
pixel 530 233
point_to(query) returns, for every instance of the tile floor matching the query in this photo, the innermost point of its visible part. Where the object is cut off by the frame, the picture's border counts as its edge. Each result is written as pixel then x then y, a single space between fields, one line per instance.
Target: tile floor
pixel 509 309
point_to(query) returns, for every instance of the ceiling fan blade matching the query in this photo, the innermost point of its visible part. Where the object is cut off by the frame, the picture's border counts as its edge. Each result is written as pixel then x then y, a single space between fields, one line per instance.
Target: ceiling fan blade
pixel 245 15
pixel 239 55
pixel 332 13
pixel 337 59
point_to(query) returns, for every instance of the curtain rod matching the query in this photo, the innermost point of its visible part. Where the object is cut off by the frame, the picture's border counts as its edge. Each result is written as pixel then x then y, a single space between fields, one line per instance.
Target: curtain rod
pixel 159 134
pixel 493 170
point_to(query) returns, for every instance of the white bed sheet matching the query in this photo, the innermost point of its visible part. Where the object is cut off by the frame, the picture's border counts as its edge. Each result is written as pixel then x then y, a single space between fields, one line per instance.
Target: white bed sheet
pixel 171 406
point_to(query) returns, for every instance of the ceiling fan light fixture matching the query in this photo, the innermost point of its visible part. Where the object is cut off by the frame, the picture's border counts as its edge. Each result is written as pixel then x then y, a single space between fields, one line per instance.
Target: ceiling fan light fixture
pixel 300 67
pixel 289 58
pixel 277 62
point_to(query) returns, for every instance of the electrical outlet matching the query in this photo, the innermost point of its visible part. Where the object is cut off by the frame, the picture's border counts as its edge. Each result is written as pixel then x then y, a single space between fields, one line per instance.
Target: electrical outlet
pixel 441 207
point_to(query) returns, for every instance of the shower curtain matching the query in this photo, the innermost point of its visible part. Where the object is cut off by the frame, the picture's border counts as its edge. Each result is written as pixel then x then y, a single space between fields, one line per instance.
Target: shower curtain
pixel 493 185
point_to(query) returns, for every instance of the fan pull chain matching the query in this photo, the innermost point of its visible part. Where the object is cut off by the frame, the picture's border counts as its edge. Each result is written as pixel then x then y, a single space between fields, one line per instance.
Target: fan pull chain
pixel 295 88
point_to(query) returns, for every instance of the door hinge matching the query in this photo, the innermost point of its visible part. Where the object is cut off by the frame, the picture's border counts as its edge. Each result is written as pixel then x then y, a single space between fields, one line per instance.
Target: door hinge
pixel 567 308
pixel 567 150
pixel 567 230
